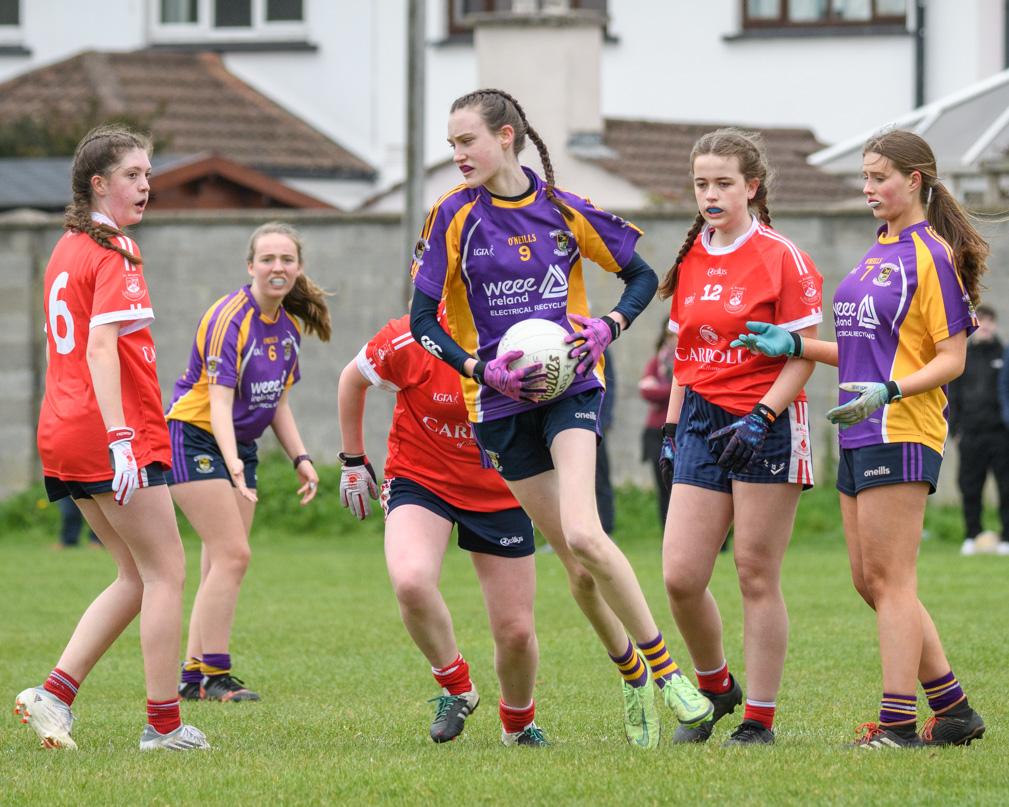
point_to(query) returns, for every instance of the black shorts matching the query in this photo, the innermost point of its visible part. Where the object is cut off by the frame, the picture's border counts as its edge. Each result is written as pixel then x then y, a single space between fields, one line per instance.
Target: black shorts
pixel 150 476
pixel 508 533
pixel 196 456
pixel 785 456
pixel 519 445
pixel 887 464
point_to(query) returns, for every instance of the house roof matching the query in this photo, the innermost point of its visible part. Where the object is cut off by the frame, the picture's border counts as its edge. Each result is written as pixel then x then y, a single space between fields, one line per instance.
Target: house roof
pixel 966 131
pixel 178 182
pixel 655 156
pixel 190 101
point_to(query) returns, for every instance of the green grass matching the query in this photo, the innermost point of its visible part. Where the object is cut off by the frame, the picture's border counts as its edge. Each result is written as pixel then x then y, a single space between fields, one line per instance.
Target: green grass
pixel 344 718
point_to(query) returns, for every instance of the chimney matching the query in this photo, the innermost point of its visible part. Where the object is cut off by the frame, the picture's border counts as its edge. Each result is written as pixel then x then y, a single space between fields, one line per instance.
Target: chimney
pixel 548 55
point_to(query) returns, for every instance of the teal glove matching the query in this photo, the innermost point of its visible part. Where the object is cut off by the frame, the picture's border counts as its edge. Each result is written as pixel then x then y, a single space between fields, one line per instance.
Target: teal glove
pixel 770 340
pixel 871 396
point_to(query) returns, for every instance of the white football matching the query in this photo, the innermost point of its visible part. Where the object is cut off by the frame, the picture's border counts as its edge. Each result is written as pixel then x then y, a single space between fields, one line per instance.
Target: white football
pixel 542 341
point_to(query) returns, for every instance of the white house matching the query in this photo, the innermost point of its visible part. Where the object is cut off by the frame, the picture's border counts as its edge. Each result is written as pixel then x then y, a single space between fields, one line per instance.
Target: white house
pixel 838 67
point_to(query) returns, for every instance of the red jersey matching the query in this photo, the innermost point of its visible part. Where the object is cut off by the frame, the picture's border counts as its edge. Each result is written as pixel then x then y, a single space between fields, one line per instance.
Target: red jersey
pixel 431 441
pixel 85 286
pixel 762 276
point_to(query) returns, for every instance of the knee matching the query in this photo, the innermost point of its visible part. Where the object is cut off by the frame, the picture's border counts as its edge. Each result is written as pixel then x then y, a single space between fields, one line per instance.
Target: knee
pixel 586 544
pixel 755 580
pixel 131 588
pixel 235 561
pixel 413 591
pixel 515 636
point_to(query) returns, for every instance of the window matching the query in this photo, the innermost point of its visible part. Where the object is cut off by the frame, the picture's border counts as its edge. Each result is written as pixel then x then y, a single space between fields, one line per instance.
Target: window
pixel 10 12
pixel 458 9
pixel 228 20
pixel 802 13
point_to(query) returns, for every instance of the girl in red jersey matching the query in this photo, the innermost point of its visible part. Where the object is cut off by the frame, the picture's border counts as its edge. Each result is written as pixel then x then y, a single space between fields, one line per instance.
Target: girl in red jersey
pixel 103 439
pixel 736 441
pixel 902 317
pixel 437 478
pixel 242 366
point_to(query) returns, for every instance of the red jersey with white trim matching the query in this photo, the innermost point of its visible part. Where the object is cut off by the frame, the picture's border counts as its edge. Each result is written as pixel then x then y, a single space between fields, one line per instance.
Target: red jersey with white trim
pixel 431 441
pixel 85 286
pixel 761 276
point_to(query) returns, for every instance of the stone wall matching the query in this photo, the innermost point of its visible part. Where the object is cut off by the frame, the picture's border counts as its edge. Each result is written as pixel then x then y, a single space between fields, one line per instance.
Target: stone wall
pixel 193 259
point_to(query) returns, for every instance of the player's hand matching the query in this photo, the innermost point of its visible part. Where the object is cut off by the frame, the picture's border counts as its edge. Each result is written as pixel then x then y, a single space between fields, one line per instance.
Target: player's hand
pixel 593 339
pixel 770 340
pixel 309 479
pixel 127 477
pixel 237 470
pixel 746 441
pixel 357 483
pixel 667 458
pixel 871 396
pixel 526 384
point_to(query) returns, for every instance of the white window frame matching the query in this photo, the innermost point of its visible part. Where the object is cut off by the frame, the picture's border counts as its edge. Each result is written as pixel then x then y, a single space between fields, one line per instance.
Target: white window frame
pixel 204 30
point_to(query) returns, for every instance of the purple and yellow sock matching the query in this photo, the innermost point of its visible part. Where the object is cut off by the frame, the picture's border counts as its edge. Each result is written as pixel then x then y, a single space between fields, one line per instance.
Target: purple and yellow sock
pixel 657 656
pixel 898 709
pixel 192 671
pixel 215 663
pixel 632 668
pixel 942 693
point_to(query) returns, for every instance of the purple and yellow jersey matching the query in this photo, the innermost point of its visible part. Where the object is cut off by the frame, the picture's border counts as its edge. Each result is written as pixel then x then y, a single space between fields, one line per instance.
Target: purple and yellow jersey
pixel 497 262
pixel 238 347
pixel 889 312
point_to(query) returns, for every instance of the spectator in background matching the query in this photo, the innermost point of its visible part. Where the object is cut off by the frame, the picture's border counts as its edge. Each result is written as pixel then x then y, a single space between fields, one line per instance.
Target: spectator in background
pixel 655 386
pixel 976 421
pixel 71 520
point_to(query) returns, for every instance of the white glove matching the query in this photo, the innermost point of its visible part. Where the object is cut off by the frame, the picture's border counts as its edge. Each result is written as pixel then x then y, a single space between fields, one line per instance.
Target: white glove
pixel 356 479
pixel 871 396
pixel 127 478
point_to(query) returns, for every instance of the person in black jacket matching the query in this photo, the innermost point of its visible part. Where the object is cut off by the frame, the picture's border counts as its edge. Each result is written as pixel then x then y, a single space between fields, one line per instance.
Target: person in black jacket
pixel 977 426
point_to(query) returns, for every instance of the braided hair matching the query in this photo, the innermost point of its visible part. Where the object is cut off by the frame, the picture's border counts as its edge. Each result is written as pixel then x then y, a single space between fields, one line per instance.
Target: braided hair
pixel 98 154
pixel 748 149
pixel 306 300
pixel 498 109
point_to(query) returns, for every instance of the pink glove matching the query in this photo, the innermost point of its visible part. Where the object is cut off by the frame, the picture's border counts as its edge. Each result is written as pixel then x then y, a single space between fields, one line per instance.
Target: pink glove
pixel 596 336
pixel 525 384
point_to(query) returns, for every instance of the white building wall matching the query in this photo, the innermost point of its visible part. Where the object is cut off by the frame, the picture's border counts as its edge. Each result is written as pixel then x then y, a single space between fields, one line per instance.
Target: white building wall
pixel 666 60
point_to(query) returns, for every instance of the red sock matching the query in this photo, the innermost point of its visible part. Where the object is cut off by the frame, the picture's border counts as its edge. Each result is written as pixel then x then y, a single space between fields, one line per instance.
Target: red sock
pixel 454 677
pixel 514 719
pixel 715 682
pixel 164 715
pixel 62 686
pixel 762 713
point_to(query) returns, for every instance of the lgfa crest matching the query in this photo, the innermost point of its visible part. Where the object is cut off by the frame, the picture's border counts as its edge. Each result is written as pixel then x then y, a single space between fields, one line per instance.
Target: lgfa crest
pixel 563 239
pixel 735 302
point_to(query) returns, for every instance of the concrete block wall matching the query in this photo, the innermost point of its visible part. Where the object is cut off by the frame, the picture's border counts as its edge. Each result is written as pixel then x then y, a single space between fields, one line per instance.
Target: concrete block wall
pixel 193 259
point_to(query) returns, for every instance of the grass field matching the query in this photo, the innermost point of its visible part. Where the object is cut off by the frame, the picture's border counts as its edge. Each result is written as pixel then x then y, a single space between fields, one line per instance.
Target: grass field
pixel 344 720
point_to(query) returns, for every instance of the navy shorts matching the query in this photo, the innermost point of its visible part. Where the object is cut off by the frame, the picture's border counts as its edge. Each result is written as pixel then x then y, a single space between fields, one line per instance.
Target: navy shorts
pixel 519 445
pixel 785 457
pixel 195 456
pixel 508 533
pixel 150 476
pixel 887 464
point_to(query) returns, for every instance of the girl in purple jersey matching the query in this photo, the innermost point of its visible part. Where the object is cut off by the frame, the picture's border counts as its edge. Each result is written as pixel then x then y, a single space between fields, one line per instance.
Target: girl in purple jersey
pixel 503 247
pixel 243 363
pixel 902 318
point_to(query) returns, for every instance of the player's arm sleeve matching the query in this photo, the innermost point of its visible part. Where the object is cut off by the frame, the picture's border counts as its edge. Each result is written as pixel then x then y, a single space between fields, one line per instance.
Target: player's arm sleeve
pixel 429 334
pixel 640 283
